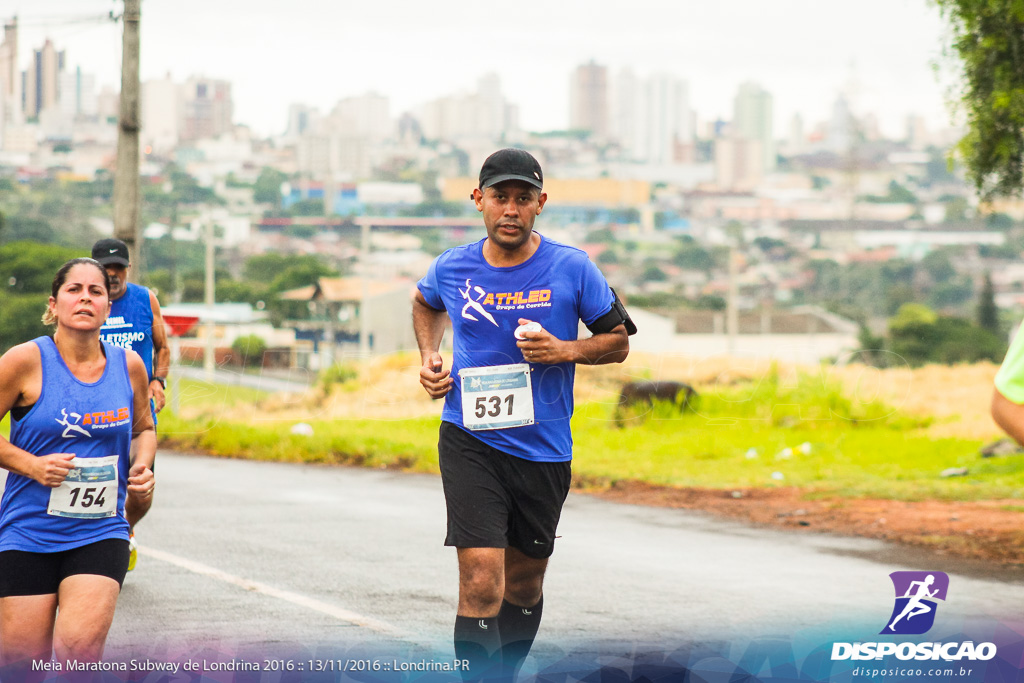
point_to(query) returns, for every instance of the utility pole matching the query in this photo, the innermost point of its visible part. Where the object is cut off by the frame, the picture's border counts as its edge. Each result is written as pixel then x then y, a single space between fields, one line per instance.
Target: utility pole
pixel 209 355
pixel 126 179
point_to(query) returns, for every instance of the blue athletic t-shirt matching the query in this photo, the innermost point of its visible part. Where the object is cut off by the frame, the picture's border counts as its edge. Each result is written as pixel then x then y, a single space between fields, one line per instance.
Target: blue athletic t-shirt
pixel 130 324
pixel 557 287
pixel 91 420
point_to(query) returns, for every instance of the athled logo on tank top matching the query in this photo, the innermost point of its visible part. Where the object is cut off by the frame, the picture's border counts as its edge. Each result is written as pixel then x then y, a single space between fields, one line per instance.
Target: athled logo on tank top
pixel 75 423
pixel 477 298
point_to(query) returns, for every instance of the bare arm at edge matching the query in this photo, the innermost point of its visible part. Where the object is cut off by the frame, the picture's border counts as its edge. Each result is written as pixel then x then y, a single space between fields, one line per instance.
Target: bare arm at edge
pixel 1008 415
pixel 161 354
pixel 20 367
pixel 429 324
pixel 143 432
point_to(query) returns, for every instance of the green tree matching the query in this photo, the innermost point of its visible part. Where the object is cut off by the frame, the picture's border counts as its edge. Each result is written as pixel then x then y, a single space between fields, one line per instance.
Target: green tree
pixel 20 228
pixel 953 294
pixel 871 346
pixel 693 257
pixel 249 349
pixel 300 275
pixel 988 41
pixel 266 268
pixel 710 302
pixel 962 342
pixel 988 312
pixel 920 336
pixel 938 266
pixel 897 295
pixel 900 194
pixel 956 210
pixel 29 267
pixel 20 318
pixel 268 186
pixel 998 221
pixel 652 273
pixel 912 333
pixel 307 207
pixel 600 236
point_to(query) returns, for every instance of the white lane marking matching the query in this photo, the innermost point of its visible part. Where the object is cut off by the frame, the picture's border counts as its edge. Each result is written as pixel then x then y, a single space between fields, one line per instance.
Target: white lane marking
pixel 262 588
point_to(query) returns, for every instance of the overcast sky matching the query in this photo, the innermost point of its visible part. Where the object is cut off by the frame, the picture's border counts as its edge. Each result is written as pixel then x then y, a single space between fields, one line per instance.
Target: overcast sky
pixel 317 51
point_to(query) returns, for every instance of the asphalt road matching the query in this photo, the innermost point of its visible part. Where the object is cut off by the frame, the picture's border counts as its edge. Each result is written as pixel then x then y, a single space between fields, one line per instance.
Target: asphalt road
pixel 248 560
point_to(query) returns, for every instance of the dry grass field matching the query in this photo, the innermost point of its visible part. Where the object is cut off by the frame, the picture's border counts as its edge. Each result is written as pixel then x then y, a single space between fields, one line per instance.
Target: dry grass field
pixel 956 398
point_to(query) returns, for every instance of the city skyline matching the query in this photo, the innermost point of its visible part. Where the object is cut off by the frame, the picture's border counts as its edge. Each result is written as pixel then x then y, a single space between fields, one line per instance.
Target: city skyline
pixel 803 52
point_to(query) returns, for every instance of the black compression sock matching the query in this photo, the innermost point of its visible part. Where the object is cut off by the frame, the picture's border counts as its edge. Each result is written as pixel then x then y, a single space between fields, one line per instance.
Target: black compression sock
pixel 478 642
pixel 518 629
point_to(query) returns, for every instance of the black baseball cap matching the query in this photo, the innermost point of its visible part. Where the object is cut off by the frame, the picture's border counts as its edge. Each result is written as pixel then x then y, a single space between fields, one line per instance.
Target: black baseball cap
pixel 110 251
pixel 511 164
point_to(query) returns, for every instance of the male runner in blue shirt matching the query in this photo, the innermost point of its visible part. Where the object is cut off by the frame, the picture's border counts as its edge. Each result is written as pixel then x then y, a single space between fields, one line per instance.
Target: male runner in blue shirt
pixel 134 323
pixel 505 444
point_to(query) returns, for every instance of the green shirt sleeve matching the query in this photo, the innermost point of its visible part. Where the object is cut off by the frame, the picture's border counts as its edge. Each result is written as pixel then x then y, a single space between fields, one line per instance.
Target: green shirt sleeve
pixel 1010 378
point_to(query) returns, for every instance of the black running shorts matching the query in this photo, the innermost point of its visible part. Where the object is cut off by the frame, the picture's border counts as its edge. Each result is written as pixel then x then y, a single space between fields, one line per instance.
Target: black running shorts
pixel 496 500
pixel 25 573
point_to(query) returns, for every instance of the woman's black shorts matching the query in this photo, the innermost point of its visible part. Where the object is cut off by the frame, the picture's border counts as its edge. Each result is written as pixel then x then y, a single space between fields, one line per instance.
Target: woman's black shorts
pixel 25 573
pixel 496 500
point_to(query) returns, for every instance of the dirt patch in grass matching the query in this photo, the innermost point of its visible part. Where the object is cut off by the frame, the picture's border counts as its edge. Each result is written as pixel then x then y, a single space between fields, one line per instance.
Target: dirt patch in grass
pixel 985 530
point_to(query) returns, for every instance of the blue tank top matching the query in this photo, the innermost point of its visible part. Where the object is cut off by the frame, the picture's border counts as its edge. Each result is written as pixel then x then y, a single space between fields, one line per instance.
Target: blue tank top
pixel 557 287
pixel 71 416
pixel 130 324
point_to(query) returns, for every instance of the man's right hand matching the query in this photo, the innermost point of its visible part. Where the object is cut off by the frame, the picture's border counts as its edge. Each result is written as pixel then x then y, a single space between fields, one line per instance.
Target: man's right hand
pixel 436 382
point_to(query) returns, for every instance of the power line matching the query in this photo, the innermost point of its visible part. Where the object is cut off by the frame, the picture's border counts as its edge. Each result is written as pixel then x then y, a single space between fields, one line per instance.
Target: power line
pixel 66 20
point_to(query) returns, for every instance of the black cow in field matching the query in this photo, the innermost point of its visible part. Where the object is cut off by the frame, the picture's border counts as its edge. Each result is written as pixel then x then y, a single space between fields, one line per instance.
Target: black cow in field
pixel 647 391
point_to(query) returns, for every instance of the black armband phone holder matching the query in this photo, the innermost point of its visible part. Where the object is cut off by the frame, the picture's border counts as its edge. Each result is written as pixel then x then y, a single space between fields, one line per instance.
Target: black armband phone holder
pixel 613 318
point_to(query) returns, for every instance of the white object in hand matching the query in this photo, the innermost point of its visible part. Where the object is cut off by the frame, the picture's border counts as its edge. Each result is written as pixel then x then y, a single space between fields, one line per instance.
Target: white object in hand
pixel 527 327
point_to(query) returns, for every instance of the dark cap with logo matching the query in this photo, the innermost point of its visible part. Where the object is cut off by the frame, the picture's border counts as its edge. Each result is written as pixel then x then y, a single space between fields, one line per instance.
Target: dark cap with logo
pixel 511 164
pixel 111 252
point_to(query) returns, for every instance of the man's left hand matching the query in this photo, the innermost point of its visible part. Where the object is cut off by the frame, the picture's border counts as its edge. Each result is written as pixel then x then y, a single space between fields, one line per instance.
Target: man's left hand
pixel 156 392
pixel 140 481
pixel 541 347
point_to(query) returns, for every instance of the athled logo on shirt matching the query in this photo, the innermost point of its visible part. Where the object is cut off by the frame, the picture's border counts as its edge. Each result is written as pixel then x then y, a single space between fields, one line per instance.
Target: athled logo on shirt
pixel 75 423
pixel 477 298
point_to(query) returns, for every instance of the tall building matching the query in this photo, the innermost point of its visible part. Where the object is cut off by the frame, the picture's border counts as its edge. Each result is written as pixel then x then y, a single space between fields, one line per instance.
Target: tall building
pixel 77 93
pixel 207 109
pixel 625 113
pixel 651 117
pixel 10 78
pixel 668 121
pixel 365 116
pixel 917 132
pixel 41 79
pixel 300 119
pixel 753 119
pixel 482 115
pixel 161 114
pixel 739 163
pixel 588 100
pixel 842 127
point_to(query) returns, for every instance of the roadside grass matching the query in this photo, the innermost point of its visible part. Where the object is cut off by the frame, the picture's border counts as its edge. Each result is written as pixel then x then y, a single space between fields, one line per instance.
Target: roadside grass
pixel 751 434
